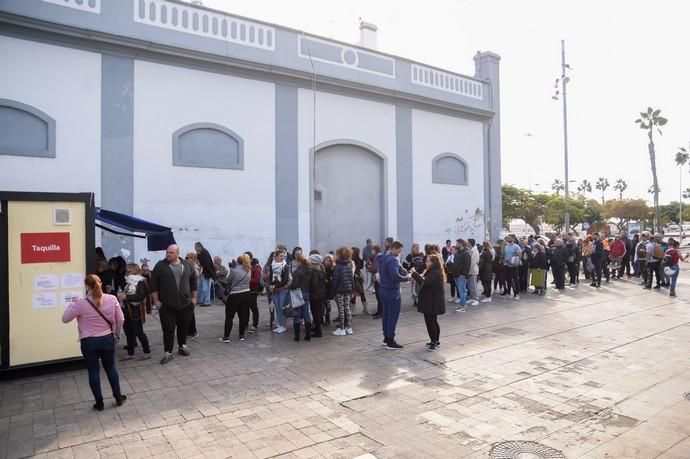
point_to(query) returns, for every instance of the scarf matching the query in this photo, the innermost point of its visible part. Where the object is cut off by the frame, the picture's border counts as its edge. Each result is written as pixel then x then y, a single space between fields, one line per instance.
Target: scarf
pixel 277 270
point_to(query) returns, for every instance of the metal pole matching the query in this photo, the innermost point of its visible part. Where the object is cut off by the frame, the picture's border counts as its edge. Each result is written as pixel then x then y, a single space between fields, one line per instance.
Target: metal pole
pixel 565 136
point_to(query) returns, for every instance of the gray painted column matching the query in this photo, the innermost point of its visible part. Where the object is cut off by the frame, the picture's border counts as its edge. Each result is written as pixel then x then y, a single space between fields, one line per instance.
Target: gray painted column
pixel 287 168
pixel 117 145
pixel 403 168
pixel 487 69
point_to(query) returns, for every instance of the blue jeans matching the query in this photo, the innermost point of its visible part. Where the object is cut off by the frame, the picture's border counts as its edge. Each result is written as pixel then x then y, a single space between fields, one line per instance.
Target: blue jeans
pixel 303 313
pixel 204 293
pixel 390 305
pixel 674 279
pixel 461 283
pixel 280 299
pixel 103 348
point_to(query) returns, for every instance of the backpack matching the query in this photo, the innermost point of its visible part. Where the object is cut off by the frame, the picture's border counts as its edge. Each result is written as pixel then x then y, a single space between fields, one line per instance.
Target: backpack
pixel 658 251
pixel 641 251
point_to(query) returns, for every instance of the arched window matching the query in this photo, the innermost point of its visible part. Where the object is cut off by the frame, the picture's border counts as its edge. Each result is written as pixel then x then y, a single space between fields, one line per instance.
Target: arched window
pixel 449 169
pixel 25 130
pixel 208 145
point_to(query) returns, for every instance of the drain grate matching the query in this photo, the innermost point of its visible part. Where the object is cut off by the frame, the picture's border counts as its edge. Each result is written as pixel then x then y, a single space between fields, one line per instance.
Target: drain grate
pixel 686 396
pixel 523 450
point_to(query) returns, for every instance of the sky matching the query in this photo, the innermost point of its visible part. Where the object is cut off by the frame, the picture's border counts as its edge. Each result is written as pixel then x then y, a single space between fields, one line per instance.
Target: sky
pixel 625 55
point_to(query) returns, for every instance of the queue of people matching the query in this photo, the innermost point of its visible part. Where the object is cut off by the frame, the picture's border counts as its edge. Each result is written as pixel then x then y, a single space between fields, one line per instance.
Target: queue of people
pixel 304 288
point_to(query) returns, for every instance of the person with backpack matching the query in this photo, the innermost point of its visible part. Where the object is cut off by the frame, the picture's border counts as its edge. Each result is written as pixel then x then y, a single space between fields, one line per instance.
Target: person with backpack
pixel 655 253
pixel 318 293
pixel 134 301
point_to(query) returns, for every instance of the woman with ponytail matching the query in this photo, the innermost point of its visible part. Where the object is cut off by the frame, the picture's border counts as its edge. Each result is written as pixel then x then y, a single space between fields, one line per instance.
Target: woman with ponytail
pixel 99 319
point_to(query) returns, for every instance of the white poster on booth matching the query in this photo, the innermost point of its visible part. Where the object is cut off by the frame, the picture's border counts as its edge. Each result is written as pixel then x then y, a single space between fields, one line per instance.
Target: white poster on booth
pixel 68 297
pixel 73 280
pixel 44 300
pixel 46 282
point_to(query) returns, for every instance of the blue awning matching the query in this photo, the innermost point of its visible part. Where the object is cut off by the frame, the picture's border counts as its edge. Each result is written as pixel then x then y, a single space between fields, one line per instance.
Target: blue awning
pixel 158 237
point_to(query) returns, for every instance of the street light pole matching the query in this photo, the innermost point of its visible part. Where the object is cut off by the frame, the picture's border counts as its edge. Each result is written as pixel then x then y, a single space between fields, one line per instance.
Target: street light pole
pixel 564 82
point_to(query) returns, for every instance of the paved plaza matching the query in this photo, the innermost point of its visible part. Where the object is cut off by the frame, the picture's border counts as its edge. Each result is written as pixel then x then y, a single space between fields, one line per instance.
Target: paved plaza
pixel 591 374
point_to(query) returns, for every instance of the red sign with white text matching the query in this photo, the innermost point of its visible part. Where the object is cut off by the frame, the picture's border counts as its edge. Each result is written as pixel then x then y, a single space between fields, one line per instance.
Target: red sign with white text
pixel 45 247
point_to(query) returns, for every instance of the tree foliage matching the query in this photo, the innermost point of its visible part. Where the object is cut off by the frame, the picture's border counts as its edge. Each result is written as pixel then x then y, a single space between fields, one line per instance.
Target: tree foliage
pixel 523 204
pixel 627 210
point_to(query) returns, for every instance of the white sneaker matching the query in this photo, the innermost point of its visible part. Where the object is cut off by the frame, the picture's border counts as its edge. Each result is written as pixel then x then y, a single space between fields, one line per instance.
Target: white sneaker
pixel 516 297
pixel 348 331
pixel 339 332
pixel 485 300
pixel 456 302
pixel 473 302
pixel 451 299
pixel 280 330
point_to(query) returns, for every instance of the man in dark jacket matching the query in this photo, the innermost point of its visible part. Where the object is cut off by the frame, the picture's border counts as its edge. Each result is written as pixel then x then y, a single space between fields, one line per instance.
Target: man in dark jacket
pixel 391 274
pixel 208 273
pixel 559 259
pixel 462 262
pixel 174 289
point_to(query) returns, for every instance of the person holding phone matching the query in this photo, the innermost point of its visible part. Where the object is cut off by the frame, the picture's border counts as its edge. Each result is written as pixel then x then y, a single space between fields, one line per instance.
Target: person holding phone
pixel 431 297
pixel 99 320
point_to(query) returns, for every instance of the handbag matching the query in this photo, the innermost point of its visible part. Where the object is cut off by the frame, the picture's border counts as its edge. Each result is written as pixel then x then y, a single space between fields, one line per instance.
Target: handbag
pixel 296 298
pixel 116 334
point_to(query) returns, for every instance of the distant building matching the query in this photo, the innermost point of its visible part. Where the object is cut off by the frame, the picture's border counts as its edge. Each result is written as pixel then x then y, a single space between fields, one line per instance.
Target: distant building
pixel 241 133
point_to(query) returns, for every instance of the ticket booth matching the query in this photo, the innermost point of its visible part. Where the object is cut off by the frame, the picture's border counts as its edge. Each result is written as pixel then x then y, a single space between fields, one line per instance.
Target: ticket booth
pixel 46 249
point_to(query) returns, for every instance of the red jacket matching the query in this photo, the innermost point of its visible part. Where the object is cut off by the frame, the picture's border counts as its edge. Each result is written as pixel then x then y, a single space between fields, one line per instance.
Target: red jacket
pixel 617 249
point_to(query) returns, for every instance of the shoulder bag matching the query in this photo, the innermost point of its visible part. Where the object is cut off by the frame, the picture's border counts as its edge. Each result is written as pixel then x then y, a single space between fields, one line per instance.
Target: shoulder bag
pixel 116 333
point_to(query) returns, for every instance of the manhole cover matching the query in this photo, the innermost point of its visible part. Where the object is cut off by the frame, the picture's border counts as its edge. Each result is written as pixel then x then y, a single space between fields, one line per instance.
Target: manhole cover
pixel 686 396
pixel 523 450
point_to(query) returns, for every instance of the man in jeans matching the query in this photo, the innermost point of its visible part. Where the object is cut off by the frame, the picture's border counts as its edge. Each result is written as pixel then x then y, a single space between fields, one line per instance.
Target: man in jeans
pixel 461 271
pixel 173 288
pixel 208 274
pixel 391 274
pixel 511 255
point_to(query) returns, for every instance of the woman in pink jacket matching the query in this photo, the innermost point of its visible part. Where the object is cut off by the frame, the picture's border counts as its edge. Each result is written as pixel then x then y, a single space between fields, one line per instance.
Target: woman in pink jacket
pixel 99 319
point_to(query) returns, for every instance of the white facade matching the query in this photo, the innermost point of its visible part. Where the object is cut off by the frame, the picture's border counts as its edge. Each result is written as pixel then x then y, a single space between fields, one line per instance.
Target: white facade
pixel 65 84
pixel 231 211
pixel 443 211
pixel 347 120
pixel 242 92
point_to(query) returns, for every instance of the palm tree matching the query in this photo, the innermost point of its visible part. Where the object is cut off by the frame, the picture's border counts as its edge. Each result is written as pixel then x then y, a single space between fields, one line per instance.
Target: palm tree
pixel 649 121
pixel 584 187
pixel 620 186
pixel 602 184
pixel 557 186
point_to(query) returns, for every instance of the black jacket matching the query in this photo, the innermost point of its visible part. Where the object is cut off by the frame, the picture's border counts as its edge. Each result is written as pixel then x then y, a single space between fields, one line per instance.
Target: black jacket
pixel 208 270
pixel 163 282
pixel 301 279
pixel 431 294
pixel 539 261
pixel 343 280
pixel 462 263
pixel 318 289
pixel 560 256
pixel 486 265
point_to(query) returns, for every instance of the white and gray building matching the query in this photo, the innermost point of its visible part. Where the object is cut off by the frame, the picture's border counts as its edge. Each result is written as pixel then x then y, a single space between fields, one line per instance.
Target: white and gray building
pixel 240 133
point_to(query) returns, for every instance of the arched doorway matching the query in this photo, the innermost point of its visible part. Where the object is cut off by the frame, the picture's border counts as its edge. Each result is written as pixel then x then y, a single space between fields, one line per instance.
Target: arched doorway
pixel 347 196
